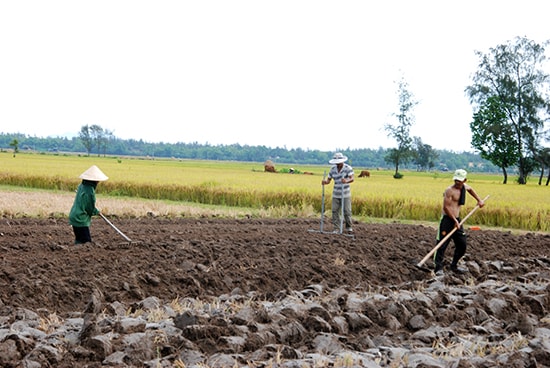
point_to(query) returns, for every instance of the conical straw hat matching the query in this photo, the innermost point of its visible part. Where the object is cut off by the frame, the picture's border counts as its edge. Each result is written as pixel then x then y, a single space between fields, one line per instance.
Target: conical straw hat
pixel 93 174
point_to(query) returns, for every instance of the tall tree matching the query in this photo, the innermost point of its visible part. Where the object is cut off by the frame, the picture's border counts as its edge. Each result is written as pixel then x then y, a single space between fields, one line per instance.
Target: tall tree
pixel 98 136
pixel 400 131
pixel 424 155
pixel 85 136
pixel 542 156
pixel 15 145
pixel 513 74
pixel 108 136
pixel 491 134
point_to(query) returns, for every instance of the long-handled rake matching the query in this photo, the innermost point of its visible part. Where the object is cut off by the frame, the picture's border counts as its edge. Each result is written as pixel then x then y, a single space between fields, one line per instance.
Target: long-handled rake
pixel 340 232
pixel 420 264
pixel 323 203
pixel 322 208
pixel 341 226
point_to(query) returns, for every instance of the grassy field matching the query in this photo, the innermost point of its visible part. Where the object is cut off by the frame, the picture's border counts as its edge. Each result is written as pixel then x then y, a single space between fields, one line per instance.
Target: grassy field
pixel 245 189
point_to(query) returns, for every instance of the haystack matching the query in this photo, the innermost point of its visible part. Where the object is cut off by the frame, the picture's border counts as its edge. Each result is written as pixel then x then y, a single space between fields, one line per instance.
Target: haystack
pixel 269 166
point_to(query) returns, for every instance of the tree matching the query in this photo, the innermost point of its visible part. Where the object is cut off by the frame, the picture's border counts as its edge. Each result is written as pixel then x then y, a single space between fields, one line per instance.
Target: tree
pixel 542 156
pixel 97 137
pixel 512 74
pixel 108 136
pixel 85 136
pixel 400 132
pixel 15 145
pixel 491 134
pixel 424 155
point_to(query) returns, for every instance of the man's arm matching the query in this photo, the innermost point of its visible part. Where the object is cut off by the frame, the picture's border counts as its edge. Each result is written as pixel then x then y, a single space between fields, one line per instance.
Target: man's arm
pixel 350 177
pixel 348 180
pixel 473 193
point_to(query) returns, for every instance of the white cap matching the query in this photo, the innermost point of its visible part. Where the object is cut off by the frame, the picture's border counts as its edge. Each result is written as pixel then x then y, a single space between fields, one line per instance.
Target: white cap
pixel 460 175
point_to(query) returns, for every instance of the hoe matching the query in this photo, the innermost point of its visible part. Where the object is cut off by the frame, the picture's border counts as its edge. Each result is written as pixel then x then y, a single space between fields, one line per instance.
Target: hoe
pixel 420 264
pixel 116 229
pixel 321 230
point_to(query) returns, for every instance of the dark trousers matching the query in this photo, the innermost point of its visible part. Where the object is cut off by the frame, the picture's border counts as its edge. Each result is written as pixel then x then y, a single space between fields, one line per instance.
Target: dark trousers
pixel 446 225
pixel 82 234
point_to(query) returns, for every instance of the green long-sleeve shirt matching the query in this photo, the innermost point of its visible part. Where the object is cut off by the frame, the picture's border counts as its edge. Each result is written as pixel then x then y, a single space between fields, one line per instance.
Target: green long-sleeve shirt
pixel 84 205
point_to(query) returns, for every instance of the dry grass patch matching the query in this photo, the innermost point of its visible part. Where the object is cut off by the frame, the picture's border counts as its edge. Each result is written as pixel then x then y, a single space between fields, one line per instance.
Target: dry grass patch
pixel 45 204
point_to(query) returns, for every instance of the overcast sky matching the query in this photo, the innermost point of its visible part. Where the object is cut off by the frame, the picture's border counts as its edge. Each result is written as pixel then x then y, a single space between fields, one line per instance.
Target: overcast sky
pixel 310 74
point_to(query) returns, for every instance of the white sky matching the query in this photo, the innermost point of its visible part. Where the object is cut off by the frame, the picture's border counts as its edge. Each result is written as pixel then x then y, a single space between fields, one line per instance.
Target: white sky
pixel 311 74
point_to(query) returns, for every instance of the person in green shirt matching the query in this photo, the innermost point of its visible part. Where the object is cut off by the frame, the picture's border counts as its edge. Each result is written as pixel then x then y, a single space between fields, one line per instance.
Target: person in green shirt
pixel 80 216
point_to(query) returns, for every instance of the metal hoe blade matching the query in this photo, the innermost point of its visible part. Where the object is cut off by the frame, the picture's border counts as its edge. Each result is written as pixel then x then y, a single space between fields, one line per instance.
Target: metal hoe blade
pixel 323 215
pixel 114 227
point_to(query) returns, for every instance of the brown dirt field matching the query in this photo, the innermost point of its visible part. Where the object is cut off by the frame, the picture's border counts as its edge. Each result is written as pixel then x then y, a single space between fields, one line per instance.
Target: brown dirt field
pixel 202 258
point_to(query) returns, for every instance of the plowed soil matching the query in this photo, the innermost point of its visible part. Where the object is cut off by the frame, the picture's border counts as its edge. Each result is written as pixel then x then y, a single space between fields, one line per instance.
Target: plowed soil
pixel 203 258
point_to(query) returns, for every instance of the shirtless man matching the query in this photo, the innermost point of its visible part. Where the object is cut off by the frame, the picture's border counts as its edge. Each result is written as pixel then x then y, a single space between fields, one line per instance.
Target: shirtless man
pixel 453 198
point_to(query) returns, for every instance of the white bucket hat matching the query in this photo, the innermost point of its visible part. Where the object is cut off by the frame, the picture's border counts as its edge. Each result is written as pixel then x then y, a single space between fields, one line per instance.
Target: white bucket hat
pixel 338 158
pixel 460 175
pixel 93 174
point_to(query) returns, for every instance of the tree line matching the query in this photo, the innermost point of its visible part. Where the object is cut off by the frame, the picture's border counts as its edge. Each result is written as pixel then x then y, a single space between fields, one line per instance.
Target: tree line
pixel 113 146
